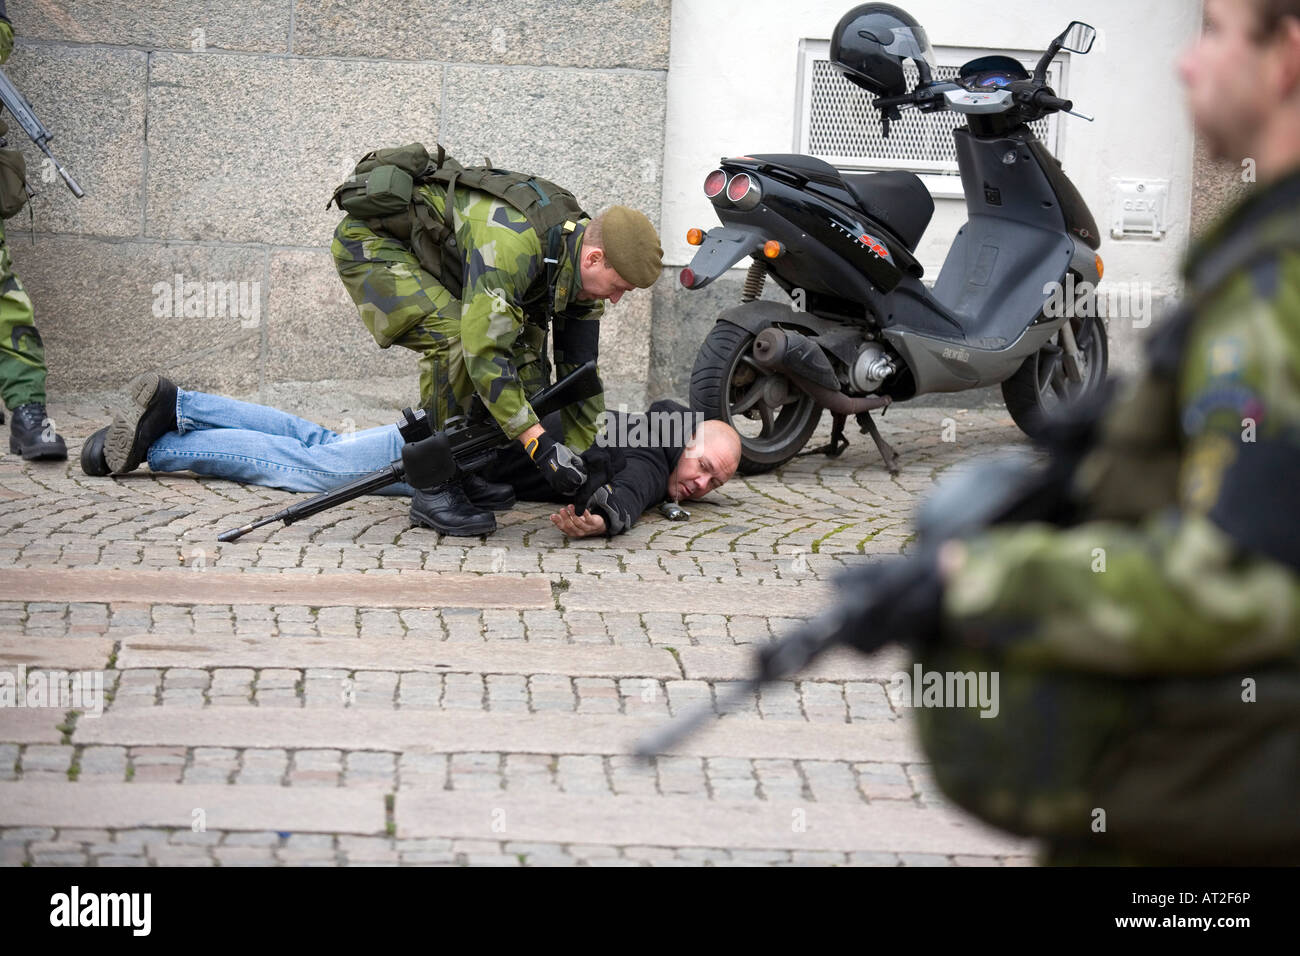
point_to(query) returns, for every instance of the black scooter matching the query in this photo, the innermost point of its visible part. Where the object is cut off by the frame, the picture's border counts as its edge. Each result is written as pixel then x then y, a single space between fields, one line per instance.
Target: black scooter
pixel 865 331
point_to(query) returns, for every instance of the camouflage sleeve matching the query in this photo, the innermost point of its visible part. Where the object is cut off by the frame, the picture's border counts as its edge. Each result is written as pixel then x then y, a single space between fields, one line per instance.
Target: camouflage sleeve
pixel 505 256
pixel 6 35
pixel 577 338
pixel 1199 588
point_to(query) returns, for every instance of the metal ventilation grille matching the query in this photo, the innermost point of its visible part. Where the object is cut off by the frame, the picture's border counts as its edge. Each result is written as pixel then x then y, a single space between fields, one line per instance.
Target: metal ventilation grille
pixel 844 128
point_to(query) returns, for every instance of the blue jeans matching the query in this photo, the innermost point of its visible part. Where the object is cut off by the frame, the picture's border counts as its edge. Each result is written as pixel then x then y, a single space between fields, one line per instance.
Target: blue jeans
pixel 224 438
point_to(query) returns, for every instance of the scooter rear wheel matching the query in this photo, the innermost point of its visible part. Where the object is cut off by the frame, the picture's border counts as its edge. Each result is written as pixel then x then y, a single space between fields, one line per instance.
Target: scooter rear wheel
pixel 1042 384
pixel 774 418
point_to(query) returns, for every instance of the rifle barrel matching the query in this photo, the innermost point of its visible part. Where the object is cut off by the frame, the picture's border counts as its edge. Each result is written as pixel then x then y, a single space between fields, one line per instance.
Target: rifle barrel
pixel 783 658
pixel 22 112
pixel 663 739
pixel 67 176
pixel 353 489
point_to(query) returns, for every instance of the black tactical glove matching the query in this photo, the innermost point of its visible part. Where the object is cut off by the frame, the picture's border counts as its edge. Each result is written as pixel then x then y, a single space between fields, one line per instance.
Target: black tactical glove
pixel 562 469
pixel 605 502
pixel 600 471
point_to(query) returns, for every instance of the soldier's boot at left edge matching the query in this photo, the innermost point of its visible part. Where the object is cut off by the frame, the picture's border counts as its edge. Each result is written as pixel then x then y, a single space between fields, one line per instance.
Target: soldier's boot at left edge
pixel 32 435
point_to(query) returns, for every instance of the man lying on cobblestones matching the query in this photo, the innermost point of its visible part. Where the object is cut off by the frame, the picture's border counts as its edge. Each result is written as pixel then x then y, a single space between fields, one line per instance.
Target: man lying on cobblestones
pixel 636 462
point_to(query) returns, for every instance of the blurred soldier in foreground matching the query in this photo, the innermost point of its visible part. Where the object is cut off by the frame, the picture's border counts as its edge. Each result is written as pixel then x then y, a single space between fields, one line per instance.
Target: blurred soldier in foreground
pixel 22 354
pixel 1148 656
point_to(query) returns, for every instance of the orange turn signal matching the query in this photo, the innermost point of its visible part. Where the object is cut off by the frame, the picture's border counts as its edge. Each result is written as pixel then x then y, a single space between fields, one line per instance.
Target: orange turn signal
pixel 772 248
pixel 1101 268
pixel 695 236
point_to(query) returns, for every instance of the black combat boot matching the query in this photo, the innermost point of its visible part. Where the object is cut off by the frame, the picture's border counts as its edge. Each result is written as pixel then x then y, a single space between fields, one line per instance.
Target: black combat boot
pixel 31 434
pixel 492 495
pixel 149 414
pixel 93 462
pixel 445 508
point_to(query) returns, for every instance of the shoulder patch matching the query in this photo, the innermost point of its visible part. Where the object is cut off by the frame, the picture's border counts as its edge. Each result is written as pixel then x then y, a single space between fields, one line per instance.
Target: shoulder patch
pixel 1227 357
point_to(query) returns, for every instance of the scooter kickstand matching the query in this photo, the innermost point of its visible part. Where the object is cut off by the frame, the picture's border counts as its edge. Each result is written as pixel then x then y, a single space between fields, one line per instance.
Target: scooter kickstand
pixel 886 452
pixel 835 447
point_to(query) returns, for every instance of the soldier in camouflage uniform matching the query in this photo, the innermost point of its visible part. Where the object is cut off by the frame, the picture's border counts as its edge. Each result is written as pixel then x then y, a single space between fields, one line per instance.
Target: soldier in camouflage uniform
pixel 1150 656
pixel 22 354
pixel 488 342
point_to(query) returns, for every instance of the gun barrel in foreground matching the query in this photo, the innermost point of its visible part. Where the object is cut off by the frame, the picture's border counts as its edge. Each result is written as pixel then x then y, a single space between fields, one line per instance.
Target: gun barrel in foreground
pixel 22 111
pixel 1005 491
pixel 788 656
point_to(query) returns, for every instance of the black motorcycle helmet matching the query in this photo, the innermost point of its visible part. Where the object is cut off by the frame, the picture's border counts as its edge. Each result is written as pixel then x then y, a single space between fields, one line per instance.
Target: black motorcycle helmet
pixel 871 42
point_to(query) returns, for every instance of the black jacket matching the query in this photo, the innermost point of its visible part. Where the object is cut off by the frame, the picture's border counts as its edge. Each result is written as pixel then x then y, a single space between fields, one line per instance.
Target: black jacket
pixel 639 475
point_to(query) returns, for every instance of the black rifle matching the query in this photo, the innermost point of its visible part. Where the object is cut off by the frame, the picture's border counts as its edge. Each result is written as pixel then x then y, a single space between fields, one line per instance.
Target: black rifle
pixel 22 111
pixel 1010 490
pixel 467 444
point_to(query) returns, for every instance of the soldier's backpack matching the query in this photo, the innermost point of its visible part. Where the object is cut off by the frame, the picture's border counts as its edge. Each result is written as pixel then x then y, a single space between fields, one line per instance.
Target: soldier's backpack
pixel 13 178
pixel 382 191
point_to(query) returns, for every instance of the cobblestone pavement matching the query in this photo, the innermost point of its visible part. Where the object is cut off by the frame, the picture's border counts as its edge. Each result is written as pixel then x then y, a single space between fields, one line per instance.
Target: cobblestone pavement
pixel 459 701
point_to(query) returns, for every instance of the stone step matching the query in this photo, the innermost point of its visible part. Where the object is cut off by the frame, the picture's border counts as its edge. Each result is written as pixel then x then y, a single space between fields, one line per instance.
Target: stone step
pixel 397 589
pixel 415 654
pixel 469 732
pixel 252 807
pixel 30 725
pixel 611 593
pixel 388 654
pixel 690 822
pixel 840 664
pixel 55 653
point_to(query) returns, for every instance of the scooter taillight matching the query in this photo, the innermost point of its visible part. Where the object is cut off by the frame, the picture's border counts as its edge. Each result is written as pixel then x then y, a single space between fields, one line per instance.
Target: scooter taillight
pixel 744 191
pixel 739 187
pixel 715 183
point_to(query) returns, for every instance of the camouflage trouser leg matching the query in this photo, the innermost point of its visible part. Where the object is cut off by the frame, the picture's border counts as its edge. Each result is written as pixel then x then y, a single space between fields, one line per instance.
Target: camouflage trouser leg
pixel 402 304
pixel 22 354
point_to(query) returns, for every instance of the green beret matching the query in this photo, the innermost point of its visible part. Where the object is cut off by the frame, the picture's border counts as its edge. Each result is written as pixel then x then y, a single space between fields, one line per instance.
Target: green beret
pixel 632 246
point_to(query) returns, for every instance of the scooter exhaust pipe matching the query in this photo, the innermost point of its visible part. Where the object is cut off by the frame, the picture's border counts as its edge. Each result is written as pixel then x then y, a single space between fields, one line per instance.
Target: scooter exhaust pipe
pixel 800 359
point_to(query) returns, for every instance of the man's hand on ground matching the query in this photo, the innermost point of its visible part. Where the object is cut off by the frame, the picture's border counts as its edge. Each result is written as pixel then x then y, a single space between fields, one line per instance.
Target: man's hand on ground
pixel 576 525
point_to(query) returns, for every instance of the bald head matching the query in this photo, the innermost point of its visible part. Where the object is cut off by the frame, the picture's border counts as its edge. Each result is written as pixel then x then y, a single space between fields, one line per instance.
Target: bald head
pixel 722 438
pixel 709 461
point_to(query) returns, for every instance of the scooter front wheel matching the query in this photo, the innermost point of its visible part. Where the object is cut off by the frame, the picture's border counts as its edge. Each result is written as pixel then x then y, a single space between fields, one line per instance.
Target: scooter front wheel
pixel 1046 381
pixel 774 417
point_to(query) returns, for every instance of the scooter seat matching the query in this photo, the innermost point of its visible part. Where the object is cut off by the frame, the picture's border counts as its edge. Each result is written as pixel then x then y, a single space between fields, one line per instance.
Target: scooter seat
pixel 898 199
pixel 818 170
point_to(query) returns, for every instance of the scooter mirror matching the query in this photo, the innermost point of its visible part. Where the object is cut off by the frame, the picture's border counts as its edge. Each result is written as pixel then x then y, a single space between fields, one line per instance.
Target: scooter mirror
pixel 1077 38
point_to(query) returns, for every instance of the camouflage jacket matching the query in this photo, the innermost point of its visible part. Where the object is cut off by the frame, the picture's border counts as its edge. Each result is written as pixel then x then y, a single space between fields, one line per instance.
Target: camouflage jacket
pixel 504 318
pixel 1149 697
pixel 6 34
pixel 1190 561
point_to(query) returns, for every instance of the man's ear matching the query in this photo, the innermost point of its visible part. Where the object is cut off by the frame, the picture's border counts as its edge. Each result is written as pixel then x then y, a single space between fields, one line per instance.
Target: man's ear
pixel 1288 41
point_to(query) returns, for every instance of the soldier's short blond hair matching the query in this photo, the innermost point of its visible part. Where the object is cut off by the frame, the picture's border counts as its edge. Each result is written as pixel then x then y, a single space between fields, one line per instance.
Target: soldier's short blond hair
pixel 594 235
